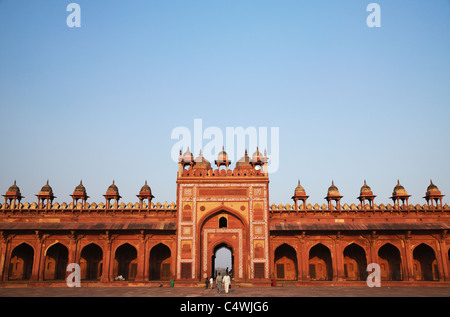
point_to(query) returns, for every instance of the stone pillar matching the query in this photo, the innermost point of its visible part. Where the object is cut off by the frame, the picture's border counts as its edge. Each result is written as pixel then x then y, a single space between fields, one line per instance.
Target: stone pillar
pixel 142 266
pixel 444 256
pixel 408 258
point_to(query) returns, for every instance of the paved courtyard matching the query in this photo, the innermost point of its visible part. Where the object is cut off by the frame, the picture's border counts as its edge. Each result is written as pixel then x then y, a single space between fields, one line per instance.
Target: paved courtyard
pixel 320 291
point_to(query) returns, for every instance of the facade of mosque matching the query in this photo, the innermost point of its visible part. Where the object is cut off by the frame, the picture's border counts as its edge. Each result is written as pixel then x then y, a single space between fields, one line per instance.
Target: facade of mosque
pixel 152 244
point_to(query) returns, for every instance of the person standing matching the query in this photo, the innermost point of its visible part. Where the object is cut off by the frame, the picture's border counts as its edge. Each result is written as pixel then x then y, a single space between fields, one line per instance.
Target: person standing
pixel 226 282
pixel 219 282
pixel 211 282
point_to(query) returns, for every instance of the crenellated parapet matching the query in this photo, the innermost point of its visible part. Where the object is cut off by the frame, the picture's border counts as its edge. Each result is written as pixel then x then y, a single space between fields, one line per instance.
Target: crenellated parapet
pixel 399 197
pixel 88 208
pixel 290 209
pixel 79 204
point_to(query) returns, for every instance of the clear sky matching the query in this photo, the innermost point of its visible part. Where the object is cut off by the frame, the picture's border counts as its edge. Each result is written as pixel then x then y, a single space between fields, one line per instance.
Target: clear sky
pixel 99 102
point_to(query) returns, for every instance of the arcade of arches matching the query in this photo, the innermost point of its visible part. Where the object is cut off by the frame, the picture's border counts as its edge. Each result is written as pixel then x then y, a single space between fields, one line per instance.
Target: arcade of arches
pixel 154 244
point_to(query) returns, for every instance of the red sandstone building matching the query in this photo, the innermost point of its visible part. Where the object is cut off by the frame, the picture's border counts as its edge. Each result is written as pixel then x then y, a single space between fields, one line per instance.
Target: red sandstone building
pixel 151 244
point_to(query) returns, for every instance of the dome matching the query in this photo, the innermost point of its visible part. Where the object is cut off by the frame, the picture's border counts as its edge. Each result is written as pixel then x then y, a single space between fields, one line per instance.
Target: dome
pixel 243 161
pixel 399 190
pixel 145 189
pixel 299 190
pixel 201 162
pixel 257 156
pixel 47 189
pixel 365 190
pixel 432 189
pixel 113 188
pixel 187 156
pixel 14 189
pixel 223 156
pixel 333 190
pixel 80 188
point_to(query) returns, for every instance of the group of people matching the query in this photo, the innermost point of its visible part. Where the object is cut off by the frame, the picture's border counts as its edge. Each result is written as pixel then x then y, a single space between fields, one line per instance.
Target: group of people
pixel 225 280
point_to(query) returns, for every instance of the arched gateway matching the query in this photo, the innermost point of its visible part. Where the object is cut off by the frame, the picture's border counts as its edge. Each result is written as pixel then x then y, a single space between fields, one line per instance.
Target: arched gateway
pixel 223 208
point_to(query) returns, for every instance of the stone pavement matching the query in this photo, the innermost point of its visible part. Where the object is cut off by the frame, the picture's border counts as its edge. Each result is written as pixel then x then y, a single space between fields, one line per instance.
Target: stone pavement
pixel 310 291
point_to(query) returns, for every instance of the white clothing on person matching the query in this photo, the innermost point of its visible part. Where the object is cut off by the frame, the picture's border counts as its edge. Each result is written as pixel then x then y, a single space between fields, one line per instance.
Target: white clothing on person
pixel 226 282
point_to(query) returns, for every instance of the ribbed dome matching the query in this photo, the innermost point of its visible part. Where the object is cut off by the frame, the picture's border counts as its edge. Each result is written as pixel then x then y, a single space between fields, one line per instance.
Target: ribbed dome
pixel 113 188
pixel 244 161
pixel 201 162
pixel 47 189
pixel 146 189
pixel 257 156
pixel 333 190
pixel 365 189
pixel 14 189
pixel 80 188
pixel 399 190
pixel 223 156
pixel 299 190
pixel 187 156
pixel 433 189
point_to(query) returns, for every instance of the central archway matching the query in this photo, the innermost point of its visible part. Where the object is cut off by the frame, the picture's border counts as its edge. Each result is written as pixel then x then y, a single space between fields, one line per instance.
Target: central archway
pixel 222 227
pixel 222 260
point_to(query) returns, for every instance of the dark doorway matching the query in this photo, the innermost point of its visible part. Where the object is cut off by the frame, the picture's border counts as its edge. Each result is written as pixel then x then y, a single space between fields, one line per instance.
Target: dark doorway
pixel 56 261
pixel 21 263
pixel 126 262
pixel 160 262
pixel 91 262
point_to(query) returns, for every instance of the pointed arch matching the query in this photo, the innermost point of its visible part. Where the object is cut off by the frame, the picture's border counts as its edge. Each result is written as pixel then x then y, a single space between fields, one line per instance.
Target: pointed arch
pixel 21 262
pixel 320 265
pixel 425 263
pixel 91 262
pixel 286 266
pixel 160 262
pixel 390 263
pixel 125 262
pixel 56 260
pixel 355 263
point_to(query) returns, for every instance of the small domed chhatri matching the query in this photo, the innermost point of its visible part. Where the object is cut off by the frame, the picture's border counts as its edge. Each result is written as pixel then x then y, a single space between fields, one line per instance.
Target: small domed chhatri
pixel 222 159
pixel 79 193
pixel 366 194
pixel 145 193
pixel 46 193
pixel 112 193
pixel 13 194
pixel 433 195
pixel 400 193
pixel 333 194
pixel 299 194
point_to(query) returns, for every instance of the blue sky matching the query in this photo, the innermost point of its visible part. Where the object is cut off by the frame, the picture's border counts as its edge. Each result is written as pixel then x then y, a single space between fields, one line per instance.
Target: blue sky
pixel 99 102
